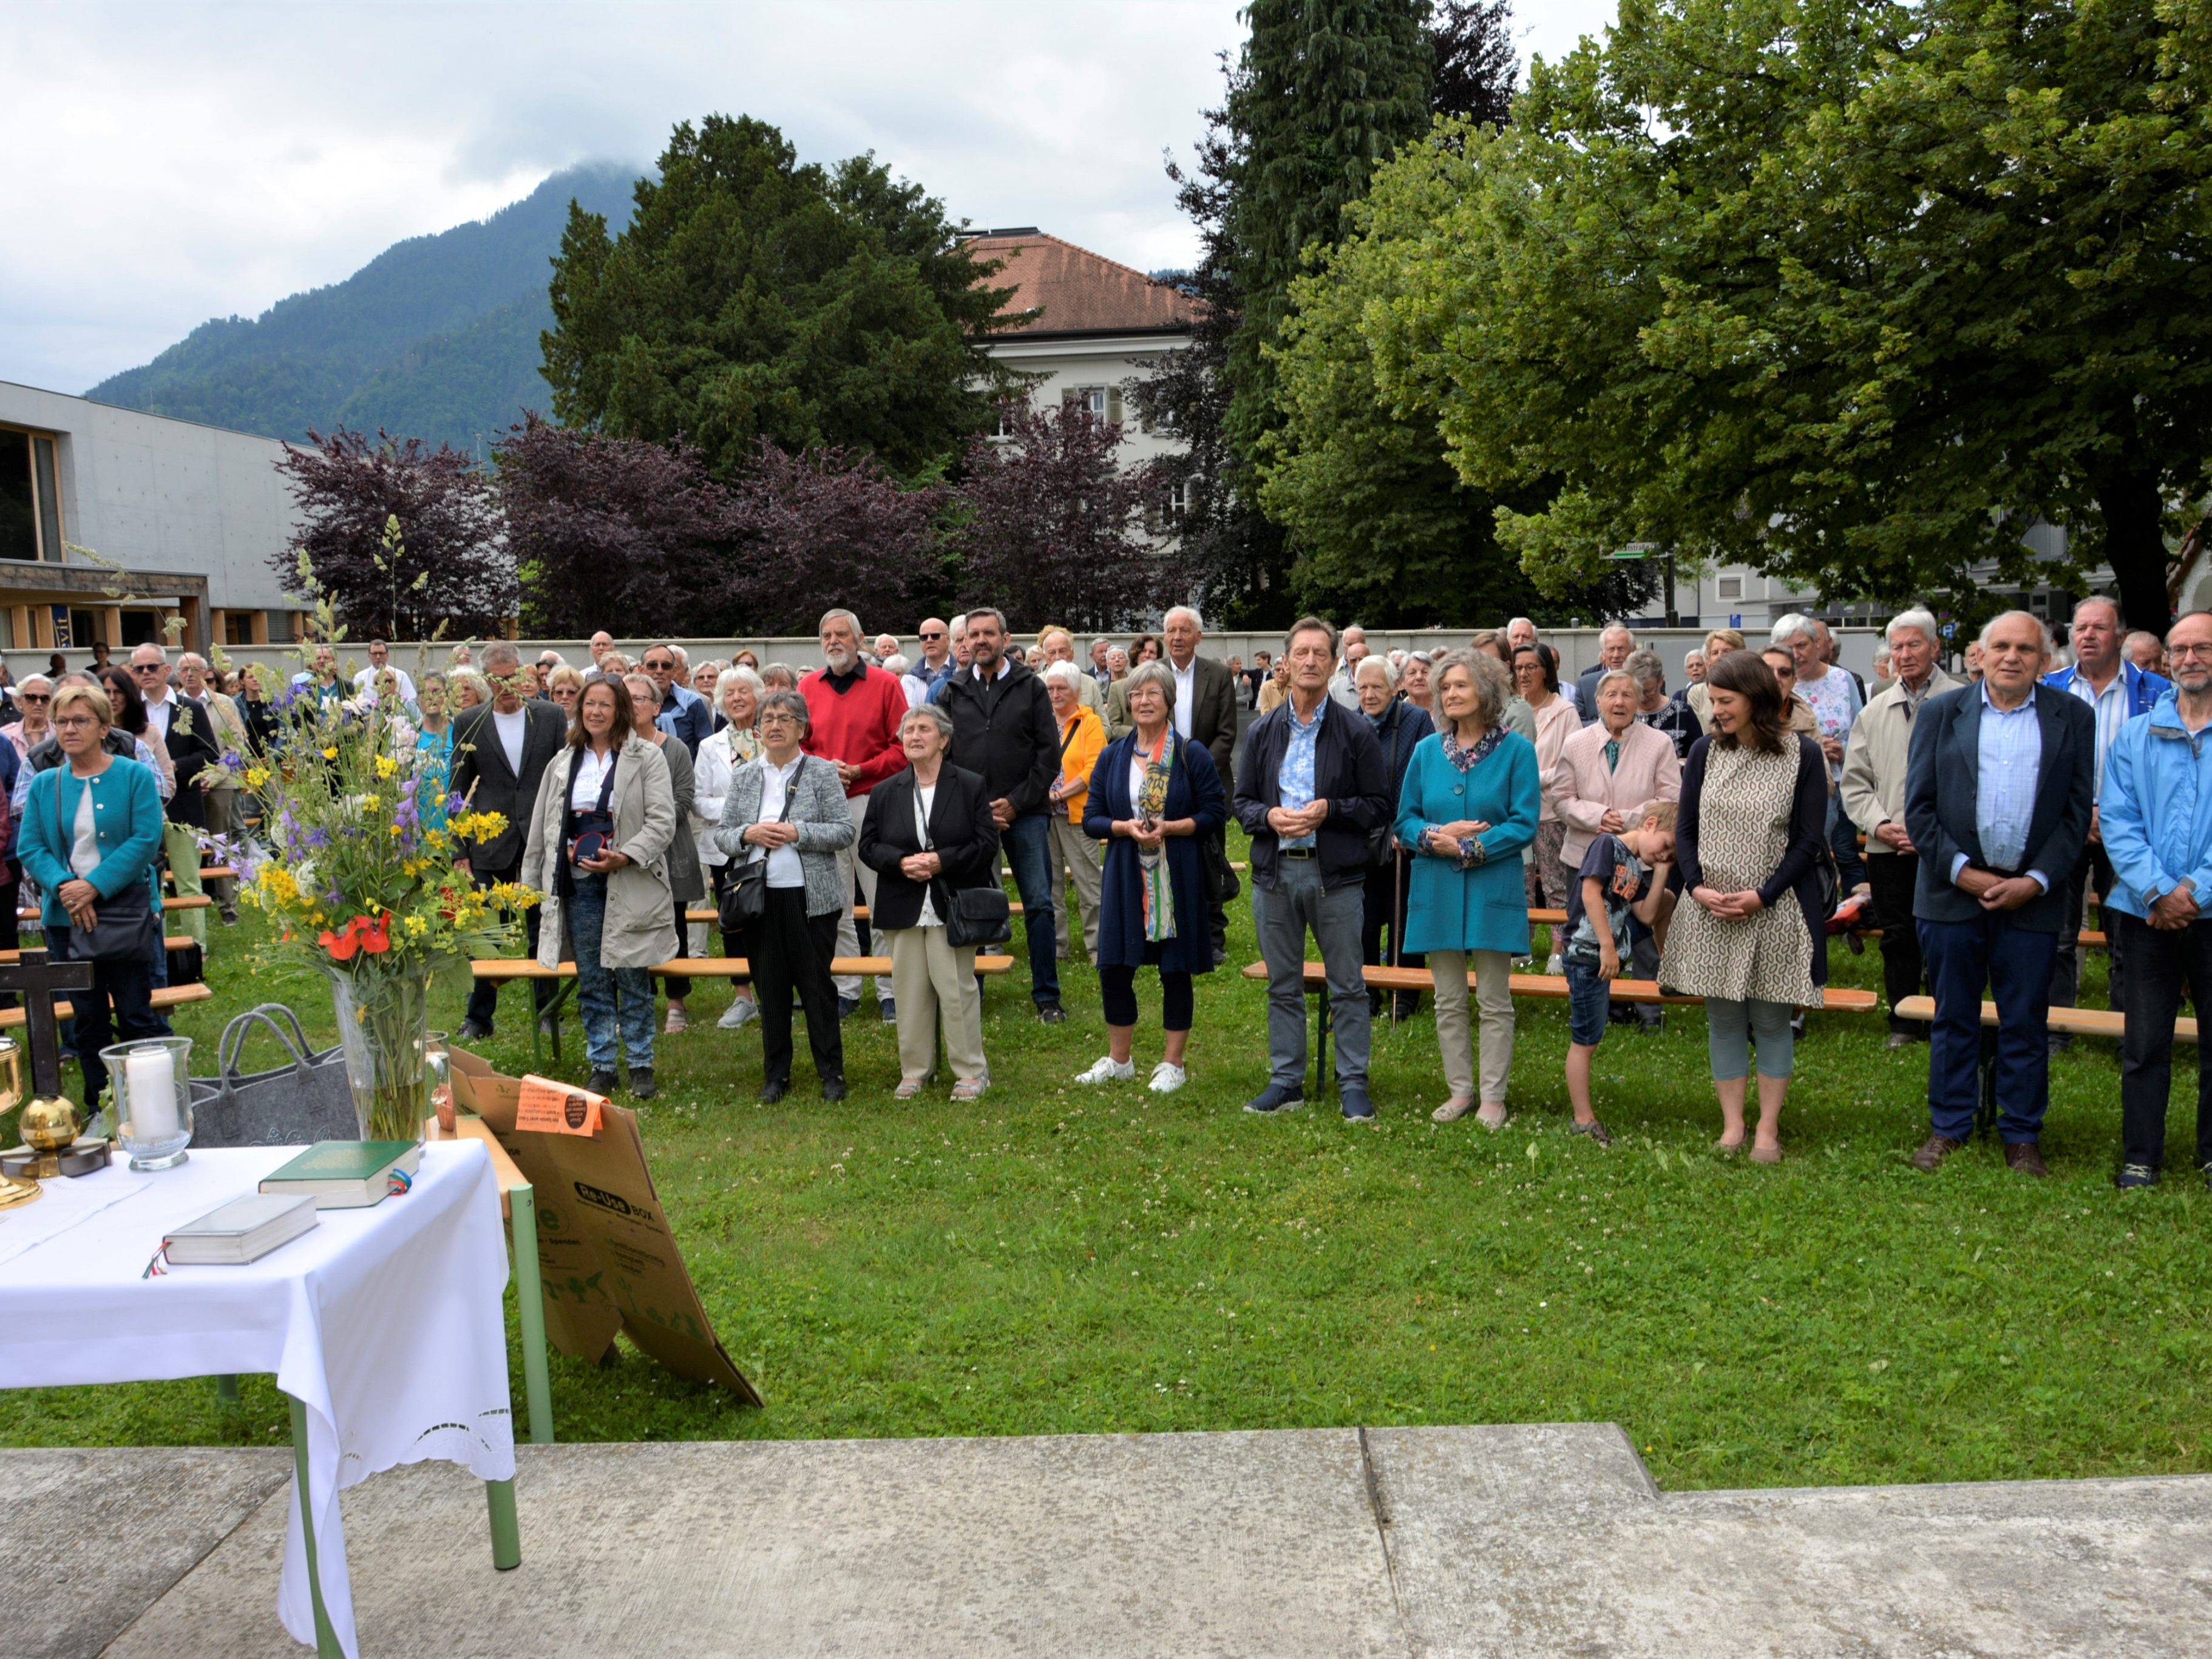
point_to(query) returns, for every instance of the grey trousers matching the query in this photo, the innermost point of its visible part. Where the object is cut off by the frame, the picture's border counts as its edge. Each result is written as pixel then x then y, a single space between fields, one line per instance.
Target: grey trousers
pixel 1298 905
pixel 1081 856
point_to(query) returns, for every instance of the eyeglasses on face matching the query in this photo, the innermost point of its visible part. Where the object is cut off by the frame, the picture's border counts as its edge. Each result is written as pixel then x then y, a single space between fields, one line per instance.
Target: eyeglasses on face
pixel 661 664
pixel 38 696
pixel 144 667
pixel 932 633
pixel 779 717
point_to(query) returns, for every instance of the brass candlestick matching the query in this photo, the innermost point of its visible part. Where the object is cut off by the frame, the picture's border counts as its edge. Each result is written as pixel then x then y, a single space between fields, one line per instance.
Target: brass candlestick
pixel 14 1191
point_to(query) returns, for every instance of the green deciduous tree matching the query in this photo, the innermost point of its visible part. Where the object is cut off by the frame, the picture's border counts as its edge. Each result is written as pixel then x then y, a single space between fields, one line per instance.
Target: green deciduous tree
pixel 752 297
pixel 1854 291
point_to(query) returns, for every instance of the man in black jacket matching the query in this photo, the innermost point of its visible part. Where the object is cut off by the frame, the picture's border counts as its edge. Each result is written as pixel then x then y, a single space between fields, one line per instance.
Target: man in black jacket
pixel 188 733
pixel 1314 785
pixel 1003 730
pixel 500 750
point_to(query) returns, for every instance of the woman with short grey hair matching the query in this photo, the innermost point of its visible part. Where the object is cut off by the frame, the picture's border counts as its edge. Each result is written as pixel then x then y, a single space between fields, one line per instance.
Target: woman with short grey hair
pixel 786 810
pixel 687 883
pixel 736 741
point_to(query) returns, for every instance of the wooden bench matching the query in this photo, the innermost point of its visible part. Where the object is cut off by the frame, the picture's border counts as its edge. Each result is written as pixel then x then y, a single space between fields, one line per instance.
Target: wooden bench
pixel 191 902
pixel 208 872
pixel 165 996
pixel 713 918
pixel 174 942
pixel 1549 987
pixel 505 970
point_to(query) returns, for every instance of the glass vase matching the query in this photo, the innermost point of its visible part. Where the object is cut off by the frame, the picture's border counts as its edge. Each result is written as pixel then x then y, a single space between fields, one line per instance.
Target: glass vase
pixel 384 1024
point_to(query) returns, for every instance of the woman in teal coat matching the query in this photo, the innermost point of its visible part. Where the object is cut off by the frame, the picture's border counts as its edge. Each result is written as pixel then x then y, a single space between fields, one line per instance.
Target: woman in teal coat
pixel 1468 806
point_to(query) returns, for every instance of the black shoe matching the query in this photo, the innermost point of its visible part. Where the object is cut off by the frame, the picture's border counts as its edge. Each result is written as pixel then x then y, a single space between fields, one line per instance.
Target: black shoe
pixel 2061 1041
pixel 1277 1098
pixel 847 1007
pixel 1406 1004
pixel 1374 999
pixel 1906 1039
pixel 772 1092
pixel 641 1082
pixel 2136 1174
pixel 1051 1012
pixel 1357 1108
pixel 472 1031
pixel 833 1088
pixel 603 1082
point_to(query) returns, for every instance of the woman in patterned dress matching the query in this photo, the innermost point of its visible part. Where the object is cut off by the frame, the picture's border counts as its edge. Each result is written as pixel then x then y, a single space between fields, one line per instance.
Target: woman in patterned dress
pixel 1749 842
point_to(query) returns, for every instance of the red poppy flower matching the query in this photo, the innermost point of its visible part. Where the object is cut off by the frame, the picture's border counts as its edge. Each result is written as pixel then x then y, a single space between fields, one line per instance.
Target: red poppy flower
pixel 376 936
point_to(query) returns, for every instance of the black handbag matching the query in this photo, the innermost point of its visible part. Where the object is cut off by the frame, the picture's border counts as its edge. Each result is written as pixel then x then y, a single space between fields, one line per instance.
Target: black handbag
pixel 980 915
pixel 124 928
pixel 743 901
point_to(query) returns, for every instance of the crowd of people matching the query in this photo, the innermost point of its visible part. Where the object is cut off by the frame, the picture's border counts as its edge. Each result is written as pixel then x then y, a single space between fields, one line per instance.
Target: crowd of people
pixel 1405 810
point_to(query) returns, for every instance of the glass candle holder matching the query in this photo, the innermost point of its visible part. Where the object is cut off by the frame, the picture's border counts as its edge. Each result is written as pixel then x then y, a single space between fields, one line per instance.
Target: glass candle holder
pixel 149 1083
pixel 438 1073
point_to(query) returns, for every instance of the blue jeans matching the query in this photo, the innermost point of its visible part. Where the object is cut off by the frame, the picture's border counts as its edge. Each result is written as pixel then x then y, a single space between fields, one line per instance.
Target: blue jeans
pixel 1589 1000
pixel 1028 843
pixel 618 1002
pixel 1964 957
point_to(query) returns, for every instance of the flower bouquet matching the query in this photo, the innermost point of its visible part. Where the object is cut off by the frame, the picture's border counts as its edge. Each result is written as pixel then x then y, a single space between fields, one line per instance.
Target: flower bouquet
pixel 354 866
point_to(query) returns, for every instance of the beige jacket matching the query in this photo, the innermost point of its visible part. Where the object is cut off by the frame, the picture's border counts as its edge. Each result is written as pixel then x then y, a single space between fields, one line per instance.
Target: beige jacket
pixel 640 928
pixel 1874 758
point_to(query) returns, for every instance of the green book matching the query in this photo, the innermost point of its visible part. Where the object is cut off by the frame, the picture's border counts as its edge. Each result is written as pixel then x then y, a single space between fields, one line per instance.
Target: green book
pixel 345 1175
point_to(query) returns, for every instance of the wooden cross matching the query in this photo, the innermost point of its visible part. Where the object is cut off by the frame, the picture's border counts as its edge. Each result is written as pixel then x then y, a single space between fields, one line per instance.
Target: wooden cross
pixel 39 979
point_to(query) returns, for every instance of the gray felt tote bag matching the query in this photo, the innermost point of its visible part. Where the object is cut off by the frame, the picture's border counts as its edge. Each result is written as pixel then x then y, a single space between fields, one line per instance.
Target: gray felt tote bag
pixel 294 1105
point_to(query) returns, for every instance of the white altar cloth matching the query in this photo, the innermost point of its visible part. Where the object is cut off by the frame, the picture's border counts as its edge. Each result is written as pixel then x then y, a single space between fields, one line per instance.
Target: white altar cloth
pixel 385 1324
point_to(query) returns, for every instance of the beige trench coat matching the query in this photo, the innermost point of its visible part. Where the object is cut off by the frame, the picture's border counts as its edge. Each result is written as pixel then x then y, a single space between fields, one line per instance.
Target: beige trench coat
pixel 641 927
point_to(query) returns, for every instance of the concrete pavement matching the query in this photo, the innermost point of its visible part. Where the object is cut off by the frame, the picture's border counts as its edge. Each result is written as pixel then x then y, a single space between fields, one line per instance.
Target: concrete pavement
pixel 1511 1540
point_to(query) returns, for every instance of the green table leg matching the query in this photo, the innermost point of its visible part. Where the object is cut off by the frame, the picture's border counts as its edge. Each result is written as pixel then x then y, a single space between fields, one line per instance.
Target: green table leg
pixel 536 1053
pixel 326 1639
pixel 225 1388
pixel 506 1528
pixel 530 1294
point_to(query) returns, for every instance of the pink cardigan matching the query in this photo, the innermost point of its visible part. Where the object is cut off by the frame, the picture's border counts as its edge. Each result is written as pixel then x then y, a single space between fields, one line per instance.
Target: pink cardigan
pixel 1586 792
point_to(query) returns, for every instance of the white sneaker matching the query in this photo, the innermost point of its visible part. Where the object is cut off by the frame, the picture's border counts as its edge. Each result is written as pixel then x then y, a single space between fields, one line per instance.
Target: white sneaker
pixel 1167 1077
pixel 1106 1071
pixel 740 1011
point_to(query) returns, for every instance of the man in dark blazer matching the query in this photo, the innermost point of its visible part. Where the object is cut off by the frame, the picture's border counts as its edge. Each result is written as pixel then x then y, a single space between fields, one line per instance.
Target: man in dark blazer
pixel 1315 787
pixel 1206 713
pixel 2000 778
pixel 188 732
pixel 500 750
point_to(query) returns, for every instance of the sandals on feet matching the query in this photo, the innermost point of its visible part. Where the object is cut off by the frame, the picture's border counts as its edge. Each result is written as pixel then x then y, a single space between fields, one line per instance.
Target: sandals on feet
pixel 908 1089
pixel 1596 1130
pixel 967 1088
pixel 1453 1109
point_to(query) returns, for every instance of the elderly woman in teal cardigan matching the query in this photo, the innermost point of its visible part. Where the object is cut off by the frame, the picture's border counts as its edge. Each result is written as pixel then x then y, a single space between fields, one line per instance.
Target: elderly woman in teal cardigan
pixel 90 829
pixel 1468 806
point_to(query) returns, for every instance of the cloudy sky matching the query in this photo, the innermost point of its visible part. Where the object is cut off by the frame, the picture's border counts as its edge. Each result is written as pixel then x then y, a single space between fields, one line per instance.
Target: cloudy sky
pixel 185 161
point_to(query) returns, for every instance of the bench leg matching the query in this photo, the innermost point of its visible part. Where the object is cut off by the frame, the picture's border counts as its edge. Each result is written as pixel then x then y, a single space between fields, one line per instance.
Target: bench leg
pixel 506 1527
pixel 326 1639
pixel 530 1294
pixel 529 1006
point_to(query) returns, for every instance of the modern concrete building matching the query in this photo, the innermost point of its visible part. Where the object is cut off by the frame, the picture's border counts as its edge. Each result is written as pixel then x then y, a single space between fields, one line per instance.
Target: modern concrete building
pixel 1097 325
pixel 183 520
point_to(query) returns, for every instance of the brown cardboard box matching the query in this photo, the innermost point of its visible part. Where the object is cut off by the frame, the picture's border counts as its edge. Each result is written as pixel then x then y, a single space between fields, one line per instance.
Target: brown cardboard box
pixel 604 1250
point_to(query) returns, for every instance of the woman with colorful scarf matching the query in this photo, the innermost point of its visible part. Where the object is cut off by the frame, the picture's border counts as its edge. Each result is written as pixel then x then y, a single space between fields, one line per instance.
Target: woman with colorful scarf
pixel 1152 795
pixel 1468 806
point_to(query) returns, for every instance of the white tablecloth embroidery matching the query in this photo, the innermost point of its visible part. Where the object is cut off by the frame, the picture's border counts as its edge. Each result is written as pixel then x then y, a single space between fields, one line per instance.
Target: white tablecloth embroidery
pixel 386 1322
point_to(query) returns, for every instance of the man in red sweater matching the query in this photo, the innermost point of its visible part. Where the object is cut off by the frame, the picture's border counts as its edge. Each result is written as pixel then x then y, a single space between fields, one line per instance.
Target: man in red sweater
pixel 854 712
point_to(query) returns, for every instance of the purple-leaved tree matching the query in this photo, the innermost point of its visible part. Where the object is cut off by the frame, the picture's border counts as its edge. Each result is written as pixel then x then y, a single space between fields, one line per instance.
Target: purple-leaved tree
pixel 451 564
pixel 832 527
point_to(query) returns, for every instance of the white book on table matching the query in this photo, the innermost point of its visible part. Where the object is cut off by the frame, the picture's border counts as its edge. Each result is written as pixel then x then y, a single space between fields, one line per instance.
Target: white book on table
pixel 242 1231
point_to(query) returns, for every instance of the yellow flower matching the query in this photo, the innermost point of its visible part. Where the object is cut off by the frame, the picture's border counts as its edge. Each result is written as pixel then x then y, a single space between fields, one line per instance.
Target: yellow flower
pixel 395 835
pixel 370 803
pixel 256 777
pixel 329 754
pixel 386 766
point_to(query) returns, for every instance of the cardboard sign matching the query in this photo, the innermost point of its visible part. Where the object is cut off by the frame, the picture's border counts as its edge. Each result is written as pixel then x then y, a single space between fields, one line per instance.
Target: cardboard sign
pixel 557 1109
pixel 607 1258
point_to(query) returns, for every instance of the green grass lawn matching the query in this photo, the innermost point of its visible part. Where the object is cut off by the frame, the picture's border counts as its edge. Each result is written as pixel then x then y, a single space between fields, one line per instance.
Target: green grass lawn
pixel 1054 1259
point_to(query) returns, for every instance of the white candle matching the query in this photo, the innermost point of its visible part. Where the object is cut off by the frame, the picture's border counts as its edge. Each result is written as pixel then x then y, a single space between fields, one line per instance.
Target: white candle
pixel 149 1082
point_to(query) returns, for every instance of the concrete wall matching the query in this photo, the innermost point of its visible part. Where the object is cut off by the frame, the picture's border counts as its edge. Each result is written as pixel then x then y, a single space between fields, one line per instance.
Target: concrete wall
pixel 1578 648
pixel 157 495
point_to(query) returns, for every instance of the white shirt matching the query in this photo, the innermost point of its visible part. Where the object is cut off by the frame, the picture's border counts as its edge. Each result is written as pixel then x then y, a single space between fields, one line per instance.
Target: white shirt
pixel 366 681
pixel 84 846
pixel 1186 693
pixel 784 869
pixel 591 776
pixel 924 800
pixel 1005 665
pixel 511 728
pixel 158 713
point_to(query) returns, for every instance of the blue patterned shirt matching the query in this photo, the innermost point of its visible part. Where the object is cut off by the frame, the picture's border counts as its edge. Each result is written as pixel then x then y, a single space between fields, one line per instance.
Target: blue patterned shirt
pixel 2008 758
pixel 1295 783
pixel 2112 709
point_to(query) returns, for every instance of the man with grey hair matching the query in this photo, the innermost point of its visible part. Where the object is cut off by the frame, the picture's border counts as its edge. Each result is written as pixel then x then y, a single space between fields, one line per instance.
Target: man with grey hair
pixel 227 727
pixel 936 666
pixel 1999 781
pixel 1058 646
pixel 683 714
pixel 2117 692
pixel 1350 648
pixel 1873 794
pixel 379 659
pixel 853 711
pixel 1613 646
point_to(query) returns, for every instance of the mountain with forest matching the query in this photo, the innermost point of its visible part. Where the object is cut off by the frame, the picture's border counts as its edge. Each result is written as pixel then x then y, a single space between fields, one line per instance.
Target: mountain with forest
pixel 436 338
